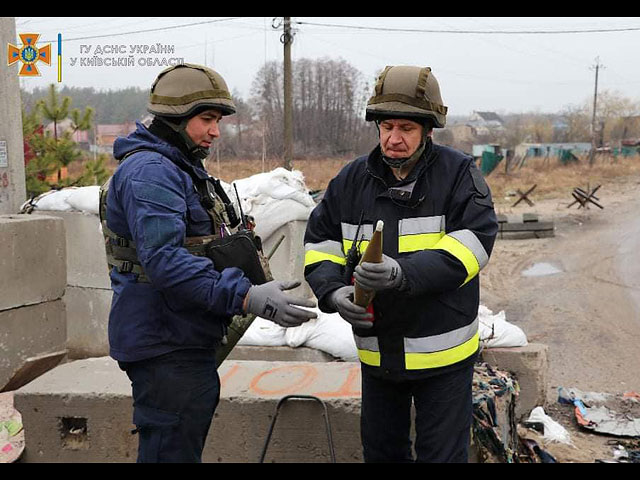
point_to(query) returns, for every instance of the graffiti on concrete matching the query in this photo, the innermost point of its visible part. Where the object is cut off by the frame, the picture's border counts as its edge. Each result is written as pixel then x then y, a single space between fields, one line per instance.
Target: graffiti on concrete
pixel 341 381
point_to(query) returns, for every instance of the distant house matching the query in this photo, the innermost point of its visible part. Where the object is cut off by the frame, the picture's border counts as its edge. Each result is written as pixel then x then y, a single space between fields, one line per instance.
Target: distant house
pixel 456 135
pixel 106 134
pixel 80 137
pixel 485 122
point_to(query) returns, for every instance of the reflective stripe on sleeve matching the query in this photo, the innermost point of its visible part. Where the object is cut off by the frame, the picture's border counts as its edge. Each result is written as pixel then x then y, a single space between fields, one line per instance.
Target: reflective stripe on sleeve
pixel 419 233
pixel 465 246
pixel 327 250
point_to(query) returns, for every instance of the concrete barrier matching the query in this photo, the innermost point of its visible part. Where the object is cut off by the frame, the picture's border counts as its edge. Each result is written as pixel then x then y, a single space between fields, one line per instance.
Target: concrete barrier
pixel 33 279
pixel 88 294
pixel 32 260
pixel 87 321
pixel 279 354
pixel 530 366
pixel 287 262
pixel 28 332
pixel 81 412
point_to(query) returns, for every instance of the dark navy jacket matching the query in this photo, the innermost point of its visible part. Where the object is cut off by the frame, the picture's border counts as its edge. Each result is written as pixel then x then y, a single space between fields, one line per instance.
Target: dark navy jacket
pixel 187 304
pixel 440 225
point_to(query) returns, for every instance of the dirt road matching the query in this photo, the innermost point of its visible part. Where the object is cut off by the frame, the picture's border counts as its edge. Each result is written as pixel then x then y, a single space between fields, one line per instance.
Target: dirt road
pixel 588 313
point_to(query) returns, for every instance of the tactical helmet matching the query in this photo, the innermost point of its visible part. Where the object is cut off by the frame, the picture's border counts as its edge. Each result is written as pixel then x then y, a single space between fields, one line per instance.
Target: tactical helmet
pixel 182 90
pixel 407 92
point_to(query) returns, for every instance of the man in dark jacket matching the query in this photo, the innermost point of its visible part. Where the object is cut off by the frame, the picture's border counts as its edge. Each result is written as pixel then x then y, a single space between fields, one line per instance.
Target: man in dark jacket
pixel 418 340
pixel 170 307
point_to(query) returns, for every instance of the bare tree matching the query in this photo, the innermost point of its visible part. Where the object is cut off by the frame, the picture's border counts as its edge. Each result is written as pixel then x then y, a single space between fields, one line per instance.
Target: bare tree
pixel 329 97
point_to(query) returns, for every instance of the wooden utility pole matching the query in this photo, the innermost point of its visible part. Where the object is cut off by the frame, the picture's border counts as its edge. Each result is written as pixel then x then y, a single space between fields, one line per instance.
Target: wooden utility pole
pixel 593 118
pixel 287 39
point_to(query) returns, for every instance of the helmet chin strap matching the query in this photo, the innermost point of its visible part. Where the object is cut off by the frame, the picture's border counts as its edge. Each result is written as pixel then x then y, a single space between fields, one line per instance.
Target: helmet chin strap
pixel 194 149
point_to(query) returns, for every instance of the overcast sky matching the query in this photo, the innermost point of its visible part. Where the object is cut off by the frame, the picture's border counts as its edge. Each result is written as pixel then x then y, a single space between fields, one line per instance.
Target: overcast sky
pixel 479 69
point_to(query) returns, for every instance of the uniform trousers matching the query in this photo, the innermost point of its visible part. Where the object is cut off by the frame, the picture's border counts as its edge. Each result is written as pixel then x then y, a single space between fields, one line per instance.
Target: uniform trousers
pixel 174 399
pixel 443 406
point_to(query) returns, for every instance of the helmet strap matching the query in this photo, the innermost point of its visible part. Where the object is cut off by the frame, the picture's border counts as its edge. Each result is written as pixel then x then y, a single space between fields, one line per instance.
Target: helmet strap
pixel 400 162
pixel 193 150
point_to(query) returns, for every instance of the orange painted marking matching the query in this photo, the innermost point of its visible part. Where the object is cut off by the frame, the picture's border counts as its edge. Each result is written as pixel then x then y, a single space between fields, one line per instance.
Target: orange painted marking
pixel 350 387
pixel 232 371
pixel 309 374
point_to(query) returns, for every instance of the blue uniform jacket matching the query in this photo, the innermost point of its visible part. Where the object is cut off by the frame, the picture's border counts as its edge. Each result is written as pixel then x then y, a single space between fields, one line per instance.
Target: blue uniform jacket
pixel 187 304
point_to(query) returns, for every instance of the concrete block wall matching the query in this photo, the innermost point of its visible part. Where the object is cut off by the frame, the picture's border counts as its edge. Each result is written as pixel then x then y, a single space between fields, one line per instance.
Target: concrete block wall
pixel 82 412
pixel 32 283
pixel 88 293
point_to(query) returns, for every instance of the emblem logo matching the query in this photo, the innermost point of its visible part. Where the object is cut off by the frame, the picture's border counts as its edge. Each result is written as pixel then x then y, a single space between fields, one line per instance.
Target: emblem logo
pixel 30 54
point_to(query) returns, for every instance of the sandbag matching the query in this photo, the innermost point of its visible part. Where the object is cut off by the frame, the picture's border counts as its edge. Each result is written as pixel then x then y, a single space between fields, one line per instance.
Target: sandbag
pixel 264 333
pixel 495 331
pixel 328 332
pixel 85 199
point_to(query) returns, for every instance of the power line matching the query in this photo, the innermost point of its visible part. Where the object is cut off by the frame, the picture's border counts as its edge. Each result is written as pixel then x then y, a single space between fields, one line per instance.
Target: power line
pixel 480 32
pixel 171 27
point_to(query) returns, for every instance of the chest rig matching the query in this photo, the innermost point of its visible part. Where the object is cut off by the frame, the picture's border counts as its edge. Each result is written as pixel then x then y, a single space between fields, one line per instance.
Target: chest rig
pixel 121 252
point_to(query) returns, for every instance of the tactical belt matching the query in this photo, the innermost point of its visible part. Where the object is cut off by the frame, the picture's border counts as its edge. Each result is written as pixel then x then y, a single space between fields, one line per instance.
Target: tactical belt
pixel 122 253
pixel 241 250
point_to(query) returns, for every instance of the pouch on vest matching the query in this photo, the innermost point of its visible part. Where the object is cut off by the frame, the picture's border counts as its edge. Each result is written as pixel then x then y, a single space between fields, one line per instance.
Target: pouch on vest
pixel 237 250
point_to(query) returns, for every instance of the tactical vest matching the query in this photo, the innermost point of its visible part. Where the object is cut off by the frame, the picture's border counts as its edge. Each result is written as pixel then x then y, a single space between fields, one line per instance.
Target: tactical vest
pixel 121 252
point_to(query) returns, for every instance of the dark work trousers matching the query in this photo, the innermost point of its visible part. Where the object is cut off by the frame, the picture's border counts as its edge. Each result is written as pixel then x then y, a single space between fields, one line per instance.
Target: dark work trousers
pixel 174 398
pixel 444 408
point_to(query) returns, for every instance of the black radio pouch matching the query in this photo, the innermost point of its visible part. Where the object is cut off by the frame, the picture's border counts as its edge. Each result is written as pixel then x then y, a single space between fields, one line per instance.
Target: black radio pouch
pixel 238 250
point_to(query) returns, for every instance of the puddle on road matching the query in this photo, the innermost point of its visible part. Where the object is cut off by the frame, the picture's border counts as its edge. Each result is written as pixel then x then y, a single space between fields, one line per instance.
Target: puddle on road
pixel 540 270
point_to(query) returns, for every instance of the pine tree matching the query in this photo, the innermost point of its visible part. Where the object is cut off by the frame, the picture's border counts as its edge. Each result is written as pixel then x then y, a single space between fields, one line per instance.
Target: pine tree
pixel 56 110
pixel 51 153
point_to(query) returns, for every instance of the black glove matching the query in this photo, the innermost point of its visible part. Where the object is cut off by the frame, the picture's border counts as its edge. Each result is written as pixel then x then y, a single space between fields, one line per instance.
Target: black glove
pixel 269 301
pixel 342 301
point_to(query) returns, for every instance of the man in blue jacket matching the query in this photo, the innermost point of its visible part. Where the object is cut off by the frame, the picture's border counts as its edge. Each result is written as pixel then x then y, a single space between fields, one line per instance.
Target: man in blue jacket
pixel 419 343
pixel 171 307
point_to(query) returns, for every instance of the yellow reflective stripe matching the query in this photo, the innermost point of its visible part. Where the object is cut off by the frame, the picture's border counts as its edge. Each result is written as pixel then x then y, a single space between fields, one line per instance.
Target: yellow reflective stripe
pixel 346 244
pixel 369 358
pixel 313 256
pixel 462 253
pixel 417 361
pixel 414 243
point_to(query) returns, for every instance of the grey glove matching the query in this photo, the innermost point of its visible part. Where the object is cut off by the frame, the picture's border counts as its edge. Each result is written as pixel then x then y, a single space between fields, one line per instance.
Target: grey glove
pixel 269 301
pixel 379 276
pixel 342 300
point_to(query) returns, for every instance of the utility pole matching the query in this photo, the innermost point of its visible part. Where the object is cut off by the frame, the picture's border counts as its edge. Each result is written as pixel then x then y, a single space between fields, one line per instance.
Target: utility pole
pixel 287 40
pixel 593 118
pixel 12 174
